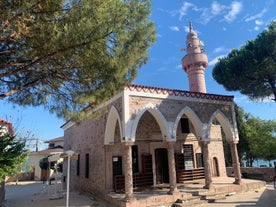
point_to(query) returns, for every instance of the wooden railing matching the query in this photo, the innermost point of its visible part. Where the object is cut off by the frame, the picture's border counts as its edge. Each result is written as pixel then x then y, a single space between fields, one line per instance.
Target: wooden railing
pixel 142 179
pixel 139 180
pixel 194 174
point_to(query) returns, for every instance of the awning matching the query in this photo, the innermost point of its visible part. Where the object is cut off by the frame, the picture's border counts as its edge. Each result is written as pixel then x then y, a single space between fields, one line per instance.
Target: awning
pixel 69 153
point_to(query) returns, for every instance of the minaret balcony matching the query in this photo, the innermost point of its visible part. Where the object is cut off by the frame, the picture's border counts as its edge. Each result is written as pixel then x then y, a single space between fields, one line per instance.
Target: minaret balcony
pixel 195 58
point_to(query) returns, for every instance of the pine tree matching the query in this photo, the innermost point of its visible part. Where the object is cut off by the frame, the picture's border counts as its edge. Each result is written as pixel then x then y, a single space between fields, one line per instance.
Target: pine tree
pixel 252 69
pixel 12 155
pixel 67 55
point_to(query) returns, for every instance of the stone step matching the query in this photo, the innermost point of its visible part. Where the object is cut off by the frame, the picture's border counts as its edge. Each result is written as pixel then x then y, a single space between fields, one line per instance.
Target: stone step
pixel 214 198
pixel 189 201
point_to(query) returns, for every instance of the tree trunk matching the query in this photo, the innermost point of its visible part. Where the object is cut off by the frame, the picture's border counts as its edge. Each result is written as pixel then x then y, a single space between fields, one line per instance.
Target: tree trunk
pixel 2 193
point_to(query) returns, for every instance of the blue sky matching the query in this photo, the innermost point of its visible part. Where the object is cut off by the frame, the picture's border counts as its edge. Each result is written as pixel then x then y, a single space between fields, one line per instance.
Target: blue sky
pixel 221 25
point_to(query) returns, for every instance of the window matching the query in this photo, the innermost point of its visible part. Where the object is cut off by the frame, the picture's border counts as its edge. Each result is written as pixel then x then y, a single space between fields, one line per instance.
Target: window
pixel 51 145
pixel 185 125
pixel 86 165
pixel 188 156
pixel 78 165
pixel 199 160
pixel 117 165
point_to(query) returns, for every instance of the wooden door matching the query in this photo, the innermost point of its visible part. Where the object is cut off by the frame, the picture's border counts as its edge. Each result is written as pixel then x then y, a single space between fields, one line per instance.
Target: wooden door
pixel 161 166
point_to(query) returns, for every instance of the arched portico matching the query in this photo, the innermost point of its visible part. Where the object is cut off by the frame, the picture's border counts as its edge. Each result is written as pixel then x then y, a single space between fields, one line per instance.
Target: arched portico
pixel 225 124
pixel 231 138
pixel 112 119
pixel 158 117
pixel 113 125
pixel 191 115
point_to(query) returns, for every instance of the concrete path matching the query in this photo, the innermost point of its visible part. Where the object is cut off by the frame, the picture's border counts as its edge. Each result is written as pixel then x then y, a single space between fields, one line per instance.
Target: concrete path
pixel 263 197
pixel 35 194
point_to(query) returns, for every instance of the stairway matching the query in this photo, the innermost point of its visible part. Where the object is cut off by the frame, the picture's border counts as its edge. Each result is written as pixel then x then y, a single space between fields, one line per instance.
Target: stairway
pixel 196 198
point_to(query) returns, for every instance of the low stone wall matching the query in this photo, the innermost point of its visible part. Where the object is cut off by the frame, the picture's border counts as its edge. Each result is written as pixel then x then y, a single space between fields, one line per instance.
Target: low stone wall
pixel 258 173
pixel 22 177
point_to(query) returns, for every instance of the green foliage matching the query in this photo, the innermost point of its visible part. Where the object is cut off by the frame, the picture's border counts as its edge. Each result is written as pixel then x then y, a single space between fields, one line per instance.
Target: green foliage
pixel 43 163
pixel 252 69
pixel 12 155
pixel 67 57
pixel 257 137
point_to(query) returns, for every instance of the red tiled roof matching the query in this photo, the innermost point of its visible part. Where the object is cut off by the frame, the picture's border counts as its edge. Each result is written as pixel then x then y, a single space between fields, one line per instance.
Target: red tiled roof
pixel 9 125
pixel 173 92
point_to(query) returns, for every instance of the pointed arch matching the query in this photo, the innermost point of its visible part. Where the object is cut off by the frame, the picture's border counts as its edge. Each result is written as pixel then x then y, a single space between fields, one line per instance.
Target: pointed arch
pixel 225 124
pixel 158 117
pixel 112 118
pixel 191 115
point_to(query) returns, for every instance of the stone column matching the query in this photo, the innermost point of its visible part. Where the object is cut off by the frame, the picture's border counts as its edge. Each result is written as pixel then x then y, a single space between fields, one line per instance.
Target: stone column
pixel 108 166
pixel 207 166
pixel 172 172
pixel 235 162
pixel 128 173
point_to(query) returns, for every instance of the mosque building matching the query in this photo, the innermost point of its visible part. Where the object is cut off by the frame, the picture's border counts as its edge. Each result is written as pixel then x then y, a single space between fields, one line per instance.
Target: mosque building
pixel 150 136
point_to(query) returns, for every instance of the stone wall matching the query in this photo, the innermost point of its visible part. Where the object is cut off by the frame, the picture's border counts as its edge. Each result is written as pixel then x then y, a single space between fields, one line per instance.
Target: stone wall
pixel 21 177
pixel 260 173
pixel 87 138
pixel 171 108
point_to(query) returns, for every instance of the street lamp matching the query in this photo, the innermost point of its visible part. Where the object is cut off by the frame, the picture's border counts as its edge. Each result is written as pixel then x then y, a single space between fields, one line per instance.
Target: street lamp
pixel 69 155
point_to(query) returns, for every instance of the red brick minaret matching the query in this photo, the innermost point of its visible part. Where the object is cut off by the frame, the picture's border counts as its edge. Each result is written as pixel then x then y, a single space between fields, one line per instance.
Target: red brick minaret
pixel 195 62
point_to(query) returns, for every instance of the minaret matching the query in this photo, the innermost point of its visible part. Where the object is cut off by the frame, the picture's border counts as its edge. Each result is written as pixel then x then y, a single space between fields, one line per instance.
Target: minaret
pixel 195 62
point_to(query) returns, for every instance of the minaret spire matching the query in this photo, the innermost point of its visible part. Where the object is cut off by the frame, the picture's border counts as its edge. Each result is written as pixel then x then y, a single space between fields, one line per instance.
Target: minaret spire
pixel 195 62
pixel 190 26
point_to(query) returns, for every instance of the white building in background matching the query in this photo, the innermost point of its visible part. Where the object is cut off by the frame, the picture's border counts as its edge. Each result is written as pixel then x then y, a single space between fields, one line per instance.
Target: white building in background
pixel 54 146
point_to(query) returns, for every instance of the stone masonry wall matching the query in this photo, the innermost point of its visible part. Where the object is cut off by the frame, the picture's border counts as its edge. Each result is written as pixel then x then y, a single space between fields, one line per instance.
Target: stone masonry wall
pixel 171 108
pixel 87 138
pixel 263 173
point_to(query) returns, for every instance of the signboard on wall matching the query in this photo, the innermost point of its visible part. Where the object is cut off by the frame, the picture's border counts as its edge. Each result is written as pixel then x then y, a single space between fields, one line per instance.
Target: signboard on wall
pixel 189 165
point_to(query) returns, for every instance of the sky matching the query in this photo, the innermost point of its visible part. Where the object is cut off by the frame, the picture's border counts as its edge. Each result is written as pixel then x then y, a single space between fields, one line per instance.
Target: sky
pixel 221 25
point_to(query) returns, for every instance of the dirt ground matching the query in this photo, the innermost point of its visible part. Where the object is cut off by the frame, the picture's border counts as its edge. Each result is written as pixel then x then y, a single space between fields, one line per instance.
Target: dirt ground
pixel 263 197
pixel 37 194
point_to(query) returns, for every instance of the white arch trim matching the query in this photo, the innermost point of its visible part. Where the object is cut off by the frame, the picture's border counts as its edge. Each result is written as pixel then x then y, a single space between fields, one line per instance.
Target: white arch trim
pixel 158 117
pixel 113 117
pixel 191 115
pixel 225 124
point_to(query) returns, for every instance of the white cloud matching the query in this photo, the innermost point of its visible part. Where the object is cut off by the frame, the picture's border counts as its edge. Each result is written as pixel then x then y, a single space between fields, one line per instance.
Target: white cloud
pixel 217 8
pixel 184 8
pixel 236 8
pixel 241 99
pixel 174 28
pixel 256 28
pixel 258 22
pixel 187 29
pixel 219 49
pixel 256 16
pixel 206 15
pixel 215 60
